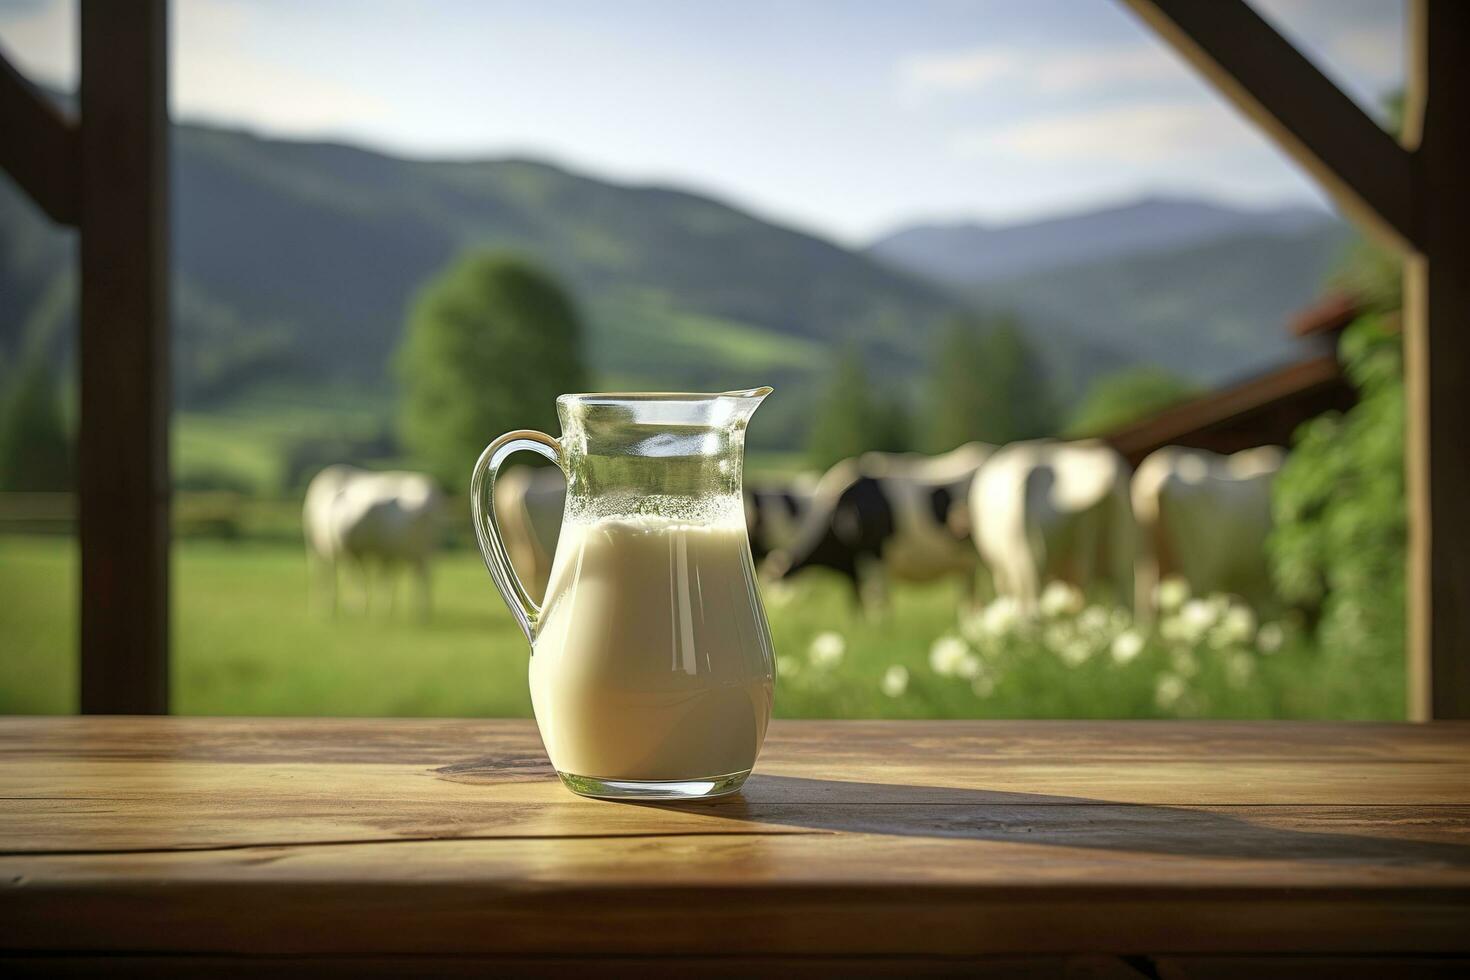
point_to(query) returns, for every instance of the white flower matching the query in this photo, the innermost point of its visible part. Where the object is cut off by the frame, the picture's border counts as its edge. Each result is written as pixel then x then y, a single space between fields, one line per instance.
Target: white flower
pixel 947 655
pixel 972 627
pixel 1094 619
pixel 1060 599
pixel 1270 638
pixel 777 595
pixel 1184 662
pixel 983 686
pixel 1168 690
pixel 1074 653
pixel 895 681
pixel 788 667
pixel 1057 636
pixel 1001 616
pixel 1239 668
pixel 1238 625
pixel 969 667
pixel 1171 593
pixel 1195 619
pixel 1127 645
pixel 827 650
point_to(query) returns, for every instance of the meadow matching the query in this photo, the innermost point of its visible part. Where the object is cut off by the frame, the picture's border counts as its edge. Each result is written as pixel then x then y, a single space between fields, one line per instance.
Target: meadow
pixel 245 642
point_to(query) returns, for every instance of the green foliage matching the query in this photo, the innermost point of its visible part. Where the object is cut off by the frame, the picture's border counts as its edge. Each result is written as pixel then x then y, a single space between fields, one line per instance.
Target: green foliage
pixel 35 450
pixel 1342 527
pixel 988 385
pixel 855 417
pixel 1126 396
pixel 490 345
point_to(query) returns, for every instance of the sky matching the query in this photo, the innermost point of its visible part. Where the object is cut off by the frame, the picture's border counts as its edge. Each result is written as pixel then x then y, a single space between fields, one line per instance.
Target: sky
pixel 844 117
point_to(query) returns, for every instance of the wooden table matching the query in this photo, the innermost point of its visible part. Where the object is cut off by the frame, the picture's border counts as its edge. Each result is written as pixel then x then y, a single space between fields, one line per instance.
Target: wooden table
pixel 992 848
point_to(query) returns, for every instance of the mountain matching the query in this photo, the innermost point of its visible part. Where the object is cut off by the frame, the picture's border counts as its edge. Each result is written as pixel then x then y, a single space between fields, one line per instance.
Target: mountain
pixel 1211 312
pixel 968 254
pixel 295 262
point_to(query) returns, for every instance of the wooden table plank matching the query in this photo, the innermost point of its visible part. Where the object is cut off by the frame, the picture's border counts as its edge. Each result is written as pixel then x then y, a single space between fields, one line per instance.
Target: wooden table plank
pixel 315 837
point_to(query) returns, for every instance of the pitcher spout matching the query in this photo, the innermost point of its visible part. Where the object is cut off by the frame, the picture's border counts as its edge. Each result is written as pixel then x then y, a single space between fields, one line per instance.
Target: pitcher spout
pixel 741 405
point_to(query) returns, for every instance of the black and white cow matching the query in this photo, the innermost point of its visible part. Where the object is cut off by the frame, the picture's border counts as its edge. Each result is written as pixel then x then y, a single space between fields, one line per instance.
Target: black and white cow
pixel 774 512
pixel 889 515
pixel 528 508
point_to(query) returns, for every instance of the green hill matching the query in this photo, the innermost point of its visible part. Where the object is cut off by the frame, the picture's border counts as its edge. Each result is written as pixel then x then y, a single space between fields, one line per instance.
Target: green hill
pixel 294 264
pixel 1210 313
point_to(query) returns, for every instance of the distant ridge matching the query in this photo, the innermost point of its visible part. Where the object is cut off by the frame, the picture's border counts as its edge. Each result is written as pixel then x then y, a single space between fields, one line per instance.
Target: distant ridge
pixel 970 254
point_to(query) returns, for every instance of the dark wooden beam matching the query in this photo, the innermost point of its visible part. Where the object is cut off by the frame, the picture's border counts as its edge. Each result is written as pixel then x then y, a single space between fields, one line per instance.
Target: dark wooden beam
pixel 123 481
pixel 1437 342
pixel 40 147
pixel 1365 170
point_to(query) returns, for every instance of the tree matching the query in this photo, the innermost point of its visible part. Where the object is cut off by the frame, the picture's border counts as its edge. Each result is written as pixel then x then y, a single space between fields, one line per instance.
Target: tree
pixel 1341 523
pixel 854 417
pixel 1126 396
pixel 35 450
pixel 490 344
pixel 988 385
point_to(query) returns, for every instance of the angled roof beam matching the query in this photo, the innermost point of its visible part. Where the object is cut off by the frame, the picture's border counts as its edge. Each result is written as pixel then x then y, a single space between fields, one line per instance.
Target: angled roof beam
pixel 1364 169
pixel 40 148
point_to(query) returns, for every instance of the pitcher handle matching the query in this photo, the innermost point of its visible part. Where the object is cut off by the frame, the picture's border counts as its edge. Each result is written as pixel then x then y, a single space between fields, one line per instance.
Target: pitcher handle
pixel 487 526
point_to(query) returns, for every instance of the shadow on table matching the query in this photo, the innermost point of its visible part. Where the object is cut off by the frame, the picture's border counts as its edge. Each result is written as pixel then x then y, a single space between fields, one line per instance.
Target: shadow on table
pixel 1066 821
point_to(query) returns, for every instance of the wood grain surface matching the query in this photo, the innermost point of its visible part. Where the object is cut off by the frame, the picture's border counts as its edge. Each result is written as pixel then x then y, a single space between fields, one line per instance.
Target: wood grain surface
pixel 325 837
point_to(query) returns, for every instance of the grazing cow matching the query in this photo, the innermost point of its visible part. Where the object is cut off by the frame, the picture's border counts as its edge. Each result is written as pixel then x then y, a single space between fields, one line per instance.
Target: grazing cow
pixel 1205 517
pixel 1054 511
pixel 528 506
pixel 898 515
pixel 773 513
pixel 376 522
pixel 529 501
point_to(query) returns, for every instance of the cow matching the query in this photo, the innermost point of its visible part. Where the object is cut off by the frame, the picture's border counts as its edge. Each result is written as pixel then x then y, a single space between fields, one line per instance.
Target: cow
pixel 888 515
pixel 1045 510
pixel 375 522
pixel 774 512
pixel 1205 518
pixel 528 508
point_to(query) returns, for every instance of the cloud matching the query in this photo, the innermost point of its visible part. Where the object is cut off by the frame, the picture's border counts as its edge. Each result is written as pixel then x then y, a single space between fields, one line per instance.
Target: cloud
pixel 1057 70
pixel 219 74
pixel 1133 134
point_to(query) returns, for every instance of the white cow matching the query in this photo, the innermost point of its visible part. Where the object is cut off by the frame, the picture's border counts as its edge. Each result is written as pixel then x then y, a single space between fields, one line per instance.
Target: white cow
pixel 1046 511
pixel 1205 517
pixel 528 506
pixel 376 522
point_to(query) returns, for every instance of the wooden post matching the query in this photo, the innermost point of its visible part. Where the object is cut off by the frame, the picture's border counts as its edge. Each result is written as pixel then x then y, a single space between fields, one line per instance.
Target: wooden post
pixel 1437 346
pixel 123 480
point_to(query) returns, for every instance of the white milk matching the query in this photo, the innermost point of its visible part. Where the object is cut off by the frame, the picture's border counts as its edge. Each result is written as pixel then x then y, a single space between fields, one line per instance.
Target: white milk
pixel 653 660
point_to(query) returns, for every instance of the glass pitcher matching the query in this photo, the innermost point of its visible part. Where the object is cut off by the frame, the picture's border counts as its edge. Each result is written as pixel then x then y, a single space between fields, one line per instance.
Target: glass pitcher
pixel 651 666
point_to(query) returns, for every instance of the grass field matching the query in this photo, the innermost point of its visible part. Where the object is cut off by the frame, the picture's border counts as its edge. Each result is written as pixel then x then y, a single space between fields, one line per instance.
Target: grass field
pixel 246 643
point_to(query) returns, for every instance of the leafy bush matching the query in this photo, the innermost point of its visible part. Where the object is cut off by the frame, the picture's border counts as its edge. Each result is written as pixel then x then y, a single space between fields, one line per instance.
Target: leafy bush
pixel 1341 523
